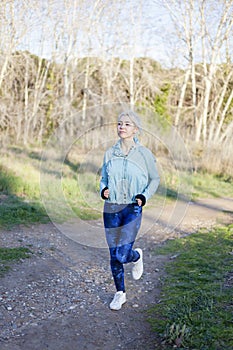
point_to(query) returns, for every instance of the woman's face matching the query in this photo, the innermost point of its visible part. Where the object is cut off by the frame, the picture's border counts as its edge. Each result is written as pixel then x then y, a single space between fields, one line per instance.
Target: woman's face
pixel 126 129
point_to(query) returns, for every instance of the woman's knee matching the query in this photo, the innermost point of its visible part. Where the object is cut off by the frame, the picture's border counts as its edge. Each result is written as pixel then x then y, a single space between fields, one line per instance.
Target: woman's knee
pixel 123 253
pixel 122 258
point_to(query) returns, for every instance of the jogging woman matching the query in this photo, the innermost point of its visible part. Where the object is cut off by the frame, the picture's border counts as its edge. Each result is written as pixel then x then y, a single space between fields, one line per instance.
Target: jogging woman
pixel 129 179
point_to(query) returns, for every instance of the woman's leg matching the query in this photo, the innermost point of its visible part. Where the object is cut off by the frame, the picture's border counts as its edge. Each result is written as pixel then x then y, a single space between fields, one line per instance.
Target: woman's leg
pixel 112 223
pixel 122 224
pixel 117 270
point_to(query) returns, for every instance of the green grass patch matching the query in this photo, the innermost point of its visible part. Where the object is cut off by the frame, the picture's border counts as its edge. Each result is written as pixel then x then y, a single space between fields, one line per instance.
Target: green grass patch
pixel 196 310
pixel 210 185
pixel 8 255
pixel 196 185
pixel 18 177
pixel 15 211
pixel 82 195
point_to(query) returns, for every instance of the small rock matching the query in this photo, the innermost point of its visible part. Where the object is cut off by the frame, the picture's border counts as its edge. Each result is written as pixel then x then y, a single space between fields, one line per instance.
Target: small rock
pixel 72 307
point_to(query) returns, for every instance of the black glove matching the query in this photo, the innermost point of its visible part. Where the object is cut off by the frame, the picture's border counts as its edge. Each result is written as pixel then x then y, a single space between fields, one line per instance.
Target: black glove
pixel 102 193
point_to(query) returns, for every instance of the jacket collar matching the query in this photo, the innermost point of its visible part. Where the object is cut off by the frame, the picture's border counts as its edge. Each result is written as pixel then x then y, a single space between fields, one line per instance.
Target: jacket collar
pixel 117 151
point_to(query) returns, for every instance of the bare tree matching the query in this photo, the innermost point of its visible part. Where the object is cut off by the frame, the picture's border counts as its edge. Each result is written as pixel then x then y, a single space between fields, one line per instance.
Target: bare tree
pixel 204 27
pixel 13 28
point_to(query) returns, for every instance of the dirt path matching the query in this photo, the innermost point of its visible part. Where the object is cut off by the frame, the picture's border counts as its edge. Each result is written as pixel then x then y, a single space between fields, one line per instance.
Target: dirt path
pixel 58 299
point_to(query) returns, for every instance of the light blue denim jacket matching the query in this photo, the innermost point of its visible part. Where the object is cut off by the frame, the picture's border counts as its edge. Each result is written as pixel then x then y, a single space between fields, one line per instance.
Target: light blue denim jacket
pixel 127 176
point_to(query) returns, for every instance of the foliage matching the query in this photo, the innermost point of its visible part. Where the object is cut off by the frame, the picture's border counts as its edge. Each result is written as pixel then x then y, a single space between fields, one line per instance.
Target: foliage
pixel 196 303
pixel 161 104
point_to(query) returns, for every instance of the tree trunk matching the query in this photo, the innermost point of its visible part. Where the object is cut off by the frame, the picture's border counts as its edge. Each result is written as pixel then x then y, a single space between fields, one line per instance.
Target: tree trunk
pixel 182 96
pixel 85 91
pixel 131 83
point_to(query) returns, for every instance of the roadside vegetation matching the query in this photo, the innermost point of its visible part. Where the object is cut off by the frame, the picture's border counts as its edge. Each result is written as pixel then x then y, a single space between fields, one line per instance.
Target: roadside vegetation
pixel 195 310
pixel 20 192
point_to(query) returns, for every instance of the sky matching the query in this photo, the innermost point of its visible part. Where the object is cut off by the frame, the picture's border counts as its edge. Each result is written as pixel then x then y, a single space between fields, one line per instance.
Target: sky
pixel 65 29
pixel 134 28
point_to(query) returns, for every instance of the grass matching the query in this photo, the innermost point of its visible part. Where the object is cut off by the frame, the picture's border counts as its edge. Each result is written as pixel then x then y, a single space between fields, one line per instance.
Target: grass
pixel 71 188
pixel 210 185
pixel 15 211
pixel 196 300
pixel 196 185
pixel 8 255
pixel 19 193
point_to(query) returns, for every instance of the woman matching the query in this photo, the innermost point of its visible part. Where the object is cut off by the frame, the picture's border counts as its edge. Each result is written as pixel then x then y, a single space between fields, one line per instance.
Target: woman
pixel 129 179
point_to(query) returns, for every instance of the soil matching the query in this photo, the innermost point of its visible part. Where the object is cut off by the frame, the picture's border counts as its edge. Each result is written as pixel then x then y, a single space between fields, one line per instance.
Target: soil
pixel 58 299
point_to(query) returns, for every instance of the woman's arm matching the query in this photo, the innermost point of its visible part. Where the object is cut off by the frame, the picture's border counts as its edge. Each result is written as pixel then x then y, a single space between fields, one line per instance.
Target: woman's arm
pixel 153 176
pixel 104 191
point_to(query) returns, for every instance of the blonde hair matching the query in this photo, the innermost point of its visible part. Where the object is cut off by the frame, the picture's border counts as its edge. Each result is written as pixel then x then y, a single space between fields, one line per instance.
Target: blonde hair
pixel 134 117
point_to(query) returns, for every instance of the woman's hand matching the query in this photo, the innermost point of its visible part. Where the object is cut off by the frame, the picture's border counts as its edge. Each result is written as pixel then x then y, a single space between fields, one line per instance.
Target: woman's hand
pixel 106 193
pixel 139 202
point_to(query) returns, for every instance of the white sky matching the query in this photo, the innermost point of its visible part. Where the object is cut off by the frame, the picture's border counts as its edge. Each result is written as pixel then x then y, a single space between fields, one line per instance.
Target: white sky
pixel 137 29
pixel 113 28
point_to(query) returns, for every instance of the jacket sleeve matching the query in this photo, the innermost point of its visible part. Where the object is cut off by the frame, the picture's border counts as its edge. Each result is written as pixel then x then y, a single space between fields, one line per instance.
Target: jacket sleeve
pixel 153 176
pixel 104 177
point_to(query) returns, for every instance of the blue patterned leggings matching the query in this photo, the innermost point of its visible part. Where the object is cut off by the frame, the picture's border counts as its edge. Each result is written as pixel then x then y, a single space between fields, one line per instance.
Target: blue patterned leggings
pixel 122 223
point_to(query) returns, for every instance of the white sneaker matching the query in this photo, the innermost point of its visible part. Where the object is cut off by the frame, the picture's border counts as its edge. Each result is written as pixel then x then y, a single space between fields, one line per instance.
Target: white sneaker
pixel 137 269
pixel 118 300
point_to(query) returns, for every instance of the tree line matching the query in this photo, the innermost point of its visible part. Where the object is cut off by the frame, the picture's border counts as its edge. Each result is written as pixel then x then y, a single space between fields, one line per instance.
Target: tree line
pixel 37 93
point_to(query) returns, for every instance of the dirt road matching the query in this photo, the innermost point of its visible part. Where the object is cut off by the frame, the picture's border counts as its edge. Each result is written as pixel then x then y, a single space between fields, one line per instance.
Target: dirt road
pixel 58 299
